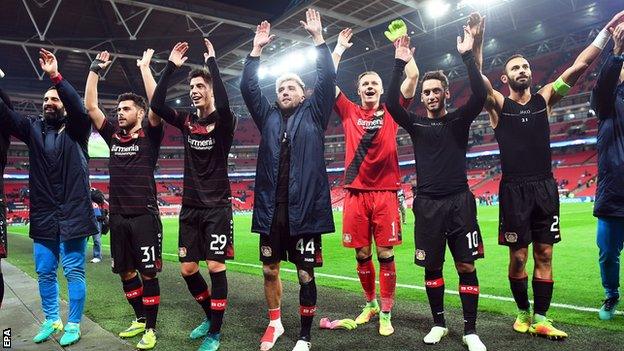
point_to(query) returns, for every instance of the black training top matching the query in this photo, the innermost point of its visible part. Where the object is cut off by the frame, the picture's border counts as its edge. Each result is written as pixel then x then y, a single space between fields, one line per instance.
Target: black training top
pixel 523 135
pixel 440 144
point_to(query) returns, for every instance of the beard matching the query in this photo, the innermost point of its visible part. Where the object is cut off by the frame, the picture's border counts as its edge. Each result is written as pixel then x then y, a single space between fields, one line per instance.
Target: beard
pixel 517 86
pixel 55 117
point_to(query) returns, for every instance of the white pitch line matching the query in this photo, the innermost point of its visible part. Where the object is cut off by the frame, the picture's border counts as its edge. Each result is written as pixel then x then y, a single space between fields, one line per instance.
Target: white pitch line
pixel 405 286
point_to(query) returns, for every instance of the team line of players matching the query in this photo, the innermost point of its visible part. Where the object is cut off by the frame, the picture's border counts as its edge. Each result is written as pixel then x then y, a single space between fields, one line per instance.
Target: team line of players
pixel 292 207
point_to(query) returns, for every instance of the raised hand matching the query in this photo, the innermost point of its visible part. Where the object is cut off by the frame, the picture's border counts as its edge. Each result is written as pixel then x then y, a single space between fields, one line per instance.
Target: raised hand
pixel 102 60
pixel 465 45
pixel 313 25
pixel 617 19
pixel 177 54
pixel 476 23
pixel 402 49
pixel 396 29
pixel 48 62
pixel 618 38
pixel 344 38
pixel 210 50
pixel 146 59
pixel 263 35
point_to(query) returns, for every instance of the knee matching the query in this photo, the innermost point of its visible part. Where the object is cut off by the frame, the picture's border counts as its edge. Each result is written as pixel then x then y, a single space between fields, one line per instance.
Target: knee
pixel 188 269
pixel 270 272
pixel 216 266
pixel 384 252
pixel 305 275
pixel 148 276
pixel 362 253
pixel 127 275
pixel 464 267
pixel 543 257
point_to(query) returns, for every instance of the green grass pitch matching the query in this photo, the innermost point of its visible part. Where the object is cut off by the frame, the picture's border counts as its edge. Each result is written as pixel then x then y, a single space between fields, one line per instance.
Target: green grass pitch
pixel 576 273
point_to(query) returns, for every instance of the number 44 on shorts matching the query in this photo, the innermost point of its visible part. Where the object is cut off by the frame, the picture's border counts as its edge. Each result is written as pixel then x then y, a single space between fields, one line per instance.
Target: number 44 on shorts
pixel 309 247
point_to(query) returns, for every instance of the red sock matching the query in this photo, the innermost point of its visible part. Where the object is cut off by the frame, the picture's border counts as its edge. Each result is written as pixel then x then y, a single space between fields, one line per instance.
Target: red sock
pixel 366 272
pixel 387 283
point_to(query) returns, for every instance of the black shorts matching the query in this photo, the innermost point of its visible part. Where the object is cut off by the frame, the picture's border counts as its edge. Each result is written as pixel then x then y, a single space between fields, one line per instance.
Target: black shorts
pixel 451 219
pixel 3 229
pixel 206 234
pixel 136 243
pixel 528 211
pixel 279 245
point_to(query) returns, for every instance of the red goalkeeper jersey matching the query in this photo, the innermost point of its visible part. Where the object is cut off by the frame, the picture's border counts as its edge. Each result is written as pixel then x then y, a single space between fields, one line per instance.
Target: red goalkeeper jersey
pixel 371 159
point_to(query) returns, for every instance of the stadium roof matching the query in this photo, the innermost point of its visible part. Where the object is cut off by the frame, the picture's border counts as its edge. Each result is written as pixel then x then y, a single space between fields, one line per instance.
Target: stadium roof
pixel 78 29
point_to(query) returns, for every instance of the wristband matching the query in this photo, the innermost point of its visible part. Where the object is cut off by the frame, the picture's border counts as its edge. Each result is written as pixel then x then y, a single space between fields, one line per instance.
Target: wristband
pixel 95 66
pixel 602 39
pixel 57 79
pixel 560 87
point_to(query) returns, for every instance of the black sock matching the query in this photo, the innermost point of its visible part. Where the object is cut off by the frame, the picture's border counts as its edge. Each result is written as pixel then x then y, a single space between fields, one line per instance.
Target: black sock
pixel 1 289
pixel 434 284
pixel 307 308
pixel 519 290
pixel 151 300
pixel 218 301
pixel 469 294
pixel 542 294
pixel 134 293
pixel 199 289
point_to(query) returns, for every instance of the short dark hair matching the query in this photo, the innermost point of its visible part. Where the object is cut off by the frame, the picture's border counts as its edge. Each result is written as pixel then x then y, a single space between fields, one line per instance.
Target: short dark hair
pixel 137 99
pixel 438 75
pixel 514 56
pixel 201 72
pixel 53 87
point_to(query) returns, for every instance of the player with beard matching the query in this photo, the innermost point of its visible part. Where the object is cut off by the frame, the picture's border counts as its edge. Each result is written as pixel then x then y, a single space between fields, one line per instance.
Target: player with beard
pixel 61 216
pixel 444 207
pixel 292 206
pixel 4 147
pixel 206 225
pixel 136 230
pixel 372 178
pixel 529 199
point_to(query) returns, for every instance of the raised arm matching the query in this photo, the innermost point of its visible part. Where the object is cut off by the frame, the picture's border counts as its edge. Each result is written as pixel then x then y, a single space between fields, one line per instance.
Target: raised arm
pixel 402 54
pixel 604 92
pixel 342 44
pixel 555 91
pixel 102 60
pixel 324 95
pixel 257 104
pixel 158 105
pixel 149 83
pixel 471 109
pixel 222 103
pixel 494 100
pixel 408 87
pixel 16 124
pixel 78 122
pixel 396 30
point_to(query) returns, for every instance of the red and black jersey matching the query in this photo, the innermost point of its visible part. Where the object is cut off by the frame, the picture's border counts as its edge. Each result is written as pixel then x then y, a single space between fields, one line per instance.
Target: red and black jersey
pixel 207 142
pixel 131 167
pixel 371 159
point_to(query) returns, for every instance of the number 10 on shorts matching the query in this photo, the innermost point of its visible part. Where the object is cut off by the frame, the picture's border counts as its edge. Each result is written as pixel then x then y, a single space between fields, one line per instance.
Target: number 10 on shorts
pixel 473 240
